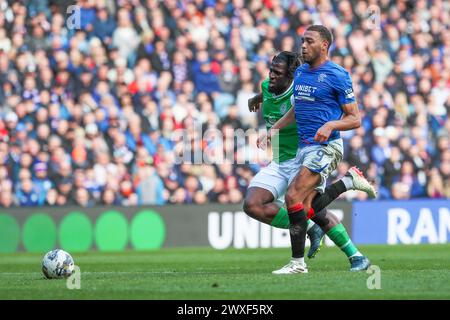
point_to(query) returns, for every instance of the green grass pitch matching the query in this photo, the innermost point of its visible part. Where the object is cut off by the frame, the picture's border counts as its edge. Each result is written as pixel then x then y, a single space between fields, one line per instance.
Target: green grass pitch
pixel 407 272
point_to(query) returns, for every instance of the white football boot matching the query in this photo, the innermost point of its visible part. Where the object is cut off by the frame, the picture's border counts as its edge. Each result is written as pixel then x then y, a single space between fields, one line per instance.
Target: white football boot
pixel 360 182
pixel 292 267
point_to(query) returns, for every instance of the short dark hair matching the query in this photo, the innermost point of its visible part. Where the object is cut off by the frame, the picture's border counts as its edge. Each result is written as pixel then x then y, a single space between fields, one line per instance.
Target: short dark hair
pixel 292 59
pixel 325 34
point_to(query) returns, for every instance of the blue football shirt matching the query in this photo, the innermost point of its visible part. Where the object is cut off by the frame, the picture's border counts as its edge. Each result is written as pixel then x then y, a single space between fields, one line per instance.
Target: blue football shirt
pixel 318 96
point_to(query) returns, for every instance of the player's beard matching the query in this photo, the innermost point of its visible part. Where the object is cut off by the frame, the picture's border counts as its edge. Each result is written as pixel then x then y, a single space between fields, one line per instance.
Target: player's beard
pixel 311 57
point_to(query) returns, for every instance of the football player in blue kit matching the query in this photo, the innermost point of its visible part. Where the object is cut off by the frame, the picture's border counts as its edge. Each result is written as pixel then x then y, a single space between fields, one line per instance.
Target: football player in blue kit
pixel 323 105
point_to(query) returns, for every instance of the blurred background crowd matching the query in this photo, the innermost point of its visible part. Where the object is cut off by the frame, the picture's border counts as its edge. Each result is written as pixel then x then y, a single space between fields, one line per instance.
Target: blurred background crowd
pixel 89 103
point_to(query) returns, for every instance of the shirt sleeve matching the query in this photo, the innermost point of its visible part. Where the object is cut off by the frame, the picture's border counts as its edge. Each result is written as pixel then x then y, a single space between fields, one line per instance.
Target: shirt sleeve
pixel 344 89
pixel 292 100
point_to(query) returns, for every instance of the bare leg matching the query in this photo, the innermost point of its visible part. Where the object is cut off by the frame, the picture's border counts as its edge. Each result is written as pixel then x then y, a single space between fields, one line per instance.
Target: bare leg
pixel 259 205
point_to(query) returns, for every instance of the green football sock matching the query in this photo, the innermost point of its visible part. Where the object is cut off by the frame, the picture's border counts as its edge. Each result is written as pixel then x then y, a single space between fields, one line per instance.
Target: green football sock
pixel 281 220
pixel 340 237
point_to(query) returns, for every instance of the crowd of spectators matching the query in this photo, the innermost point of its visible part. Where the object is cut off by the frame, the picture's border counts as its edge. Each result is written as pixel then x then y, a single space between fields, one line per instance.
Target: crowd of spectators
pixel 91 96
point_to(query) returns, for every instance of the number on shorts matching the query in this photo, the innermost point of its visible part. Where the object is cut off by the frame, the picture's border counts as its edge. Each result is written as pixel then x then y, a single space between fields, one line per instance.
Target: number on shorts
pixel 320 155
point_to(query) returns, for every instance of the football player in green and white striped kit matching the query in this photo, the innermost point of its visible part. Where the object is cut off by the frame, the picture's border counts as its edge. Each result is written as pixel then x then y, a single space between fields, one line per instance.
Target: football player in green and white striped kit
pixel 264 200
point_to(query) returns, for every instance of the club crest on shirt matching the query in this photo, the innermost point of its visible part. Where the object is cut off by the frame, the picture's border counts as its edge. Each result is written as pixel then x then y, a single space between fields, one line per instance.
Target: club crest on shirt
pixel 283 108
pixel 321 77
